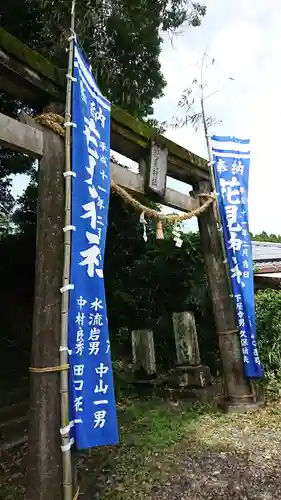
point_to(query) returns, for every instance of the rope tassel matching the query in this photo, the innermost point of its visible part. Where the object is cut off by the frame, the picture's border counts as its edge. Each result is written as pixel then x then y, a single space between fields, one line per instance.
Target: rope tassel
pixel 159 231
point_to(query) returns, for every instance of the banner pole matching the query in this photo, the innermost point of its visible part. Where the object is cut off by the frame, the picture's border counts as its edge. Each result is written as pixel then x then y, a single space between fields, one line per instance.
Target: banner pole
pixel 216 207
pixel 64 378
pixel 213 185
pixel 217 214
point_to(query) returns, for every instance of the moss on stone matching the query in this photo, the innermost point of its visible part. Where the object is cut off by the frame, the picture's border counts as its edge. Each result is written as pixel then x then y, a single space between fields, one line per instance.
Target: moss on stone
pixel 145 132
pixel 137 131
pixel 14 47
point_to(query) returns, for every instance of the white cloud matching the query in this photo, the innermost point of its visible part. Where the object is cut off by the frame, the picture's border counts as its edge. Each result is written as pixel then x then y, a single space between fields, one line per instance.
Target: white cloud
pixel 244 37
pixel 236 46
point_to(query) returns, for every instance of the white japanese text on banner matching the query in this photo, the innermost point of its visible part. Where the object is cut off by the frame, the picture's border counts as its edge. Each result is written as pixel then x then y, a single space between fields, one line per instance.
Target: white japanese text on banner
pixel 92 391
pixel 231 168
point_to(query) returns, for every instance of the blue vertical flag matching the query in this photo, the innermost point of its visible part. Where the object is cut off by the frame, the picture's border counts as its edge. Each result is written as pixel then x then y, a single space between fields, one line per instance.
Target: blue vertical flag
pixel 93 410
pixel 231 158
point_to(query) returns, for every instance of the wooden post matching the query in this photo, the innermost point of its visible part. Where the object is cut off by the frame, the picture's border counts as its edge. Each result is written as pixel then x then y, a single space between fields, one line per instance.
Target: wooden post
pixel 239 391
pixel 143 354
pixel 44 454
pixel 186 339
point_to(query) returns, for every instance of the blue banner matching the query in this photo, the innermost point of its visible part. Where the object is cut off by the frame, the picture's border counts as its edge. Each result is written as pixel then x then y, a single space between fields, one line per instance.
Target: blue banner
pixel 93 411
pixel 231 158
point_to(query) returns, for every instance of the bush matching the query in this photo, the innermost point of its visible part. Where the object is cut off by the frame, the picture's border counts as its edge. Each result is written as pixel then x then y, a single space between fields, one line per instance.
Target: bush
pixel 268 319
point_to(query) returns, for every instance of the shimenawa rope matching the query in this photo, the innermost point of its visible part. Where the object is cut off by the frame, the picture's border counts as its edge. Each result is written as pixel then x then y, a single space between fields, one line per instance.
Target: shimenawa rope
pixel 49 369
pixel 56 123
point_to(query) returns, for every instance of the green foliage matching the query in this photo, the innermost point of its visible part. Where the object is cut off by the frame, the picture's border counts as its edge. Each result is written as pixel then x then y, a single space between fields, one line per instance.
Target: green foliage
pixel 122 40
pixel 268 319
pixel 120 37
pixel 272 238
pixel 26 212
pixel 147 282
pixel 7 225
pixel 17 255
pixel 11 162
pixel 193 100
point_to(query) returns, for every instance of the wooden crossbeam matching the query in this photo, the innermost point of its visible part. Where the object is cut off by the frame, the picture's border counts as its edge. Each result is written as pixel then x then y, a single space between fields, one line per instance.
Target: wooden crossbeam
pixel 20 137
pixel 135 183
pixel 29 140
pixel 31 79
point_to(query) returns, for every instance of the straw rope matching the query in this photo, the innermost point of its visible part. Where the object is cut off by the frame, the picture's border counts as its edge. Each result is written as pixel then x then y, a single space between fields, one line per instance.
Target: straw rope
pixel 150 212
pixel 77 494
pixel 56 123
pixel 49 369
pixel 52 121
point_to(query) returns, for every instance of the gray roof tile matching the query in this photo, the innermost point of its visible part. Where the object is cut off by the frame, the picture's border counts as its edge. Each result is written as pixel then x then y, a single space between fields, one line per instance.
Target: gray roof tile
pixel 266 251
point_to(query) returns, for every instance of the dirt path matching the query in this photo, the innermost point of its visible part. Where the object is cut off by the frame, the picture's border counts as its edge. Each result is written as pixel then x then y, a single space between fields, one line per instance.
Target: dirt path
pixel 249 467
pixel 174 452
pixel 214 456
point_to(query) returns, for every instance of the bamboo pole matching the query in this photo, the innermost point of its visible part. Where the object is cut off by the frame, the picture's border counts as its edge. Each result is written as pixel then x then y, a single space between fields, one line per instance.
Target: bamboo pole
pixel 64 379
pixel 212 175
pixel 213 184
pixel 214 189
pixel 217 212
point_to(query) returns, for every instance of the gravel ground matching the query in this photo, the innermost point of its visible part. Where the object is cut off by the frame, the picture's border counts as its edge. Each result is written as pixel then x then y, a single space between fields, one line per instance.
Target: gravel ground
pixel 223 475
pixel 216 457
pixel 174 452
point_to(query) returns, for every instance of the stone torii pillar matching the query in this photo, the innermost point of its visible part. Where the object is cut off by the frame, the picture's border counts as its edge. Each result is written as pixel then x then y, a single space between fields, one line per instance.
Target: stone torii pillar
pixel 240 395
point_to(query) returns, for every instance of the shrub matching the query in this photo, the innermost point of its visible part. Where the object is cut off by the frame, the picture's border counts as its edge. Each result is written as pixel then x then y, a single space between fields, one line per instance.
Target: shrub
pixel 268 319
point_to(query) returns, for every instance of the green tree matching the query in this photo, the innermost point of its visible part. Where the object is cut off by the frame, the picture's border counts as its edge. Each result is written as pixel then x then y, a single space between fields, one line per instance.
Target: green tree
pixel 268 319
pixel 123 41
pixel 263 236
pixel 11 162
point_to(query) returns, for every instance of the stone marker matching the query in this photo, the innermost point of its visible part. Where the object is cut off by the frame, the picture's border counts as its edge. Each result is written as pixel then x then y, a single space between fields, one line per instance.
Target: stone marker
pixel 189 370
pixel 144 363
pixel 186 339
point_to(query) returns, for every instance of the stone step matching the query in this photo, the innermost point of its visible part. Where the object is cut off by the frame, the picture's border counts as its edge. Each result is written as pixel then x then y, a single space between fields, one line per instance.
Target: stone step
pixel 13 443
pixel 13 432
pixel 13 411
pixel 16 395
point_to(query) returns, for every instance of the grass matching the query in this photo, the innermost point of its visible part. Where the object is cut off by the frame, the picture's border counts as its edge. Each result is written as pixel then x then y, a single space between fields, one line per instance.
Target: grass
pixel 148 431
pixel 156 439
pixel 155 436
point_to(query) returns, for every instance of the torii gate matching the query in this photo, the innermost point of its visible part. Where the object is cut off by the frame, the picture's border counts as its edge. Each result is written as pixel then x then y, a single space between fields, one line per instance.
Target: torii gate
pixel 31 79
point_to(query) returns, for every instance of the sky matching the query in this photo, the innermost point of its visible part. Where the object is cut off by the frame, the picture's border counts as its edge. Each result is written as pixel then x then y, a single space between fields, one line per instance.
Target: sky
pixel 244 37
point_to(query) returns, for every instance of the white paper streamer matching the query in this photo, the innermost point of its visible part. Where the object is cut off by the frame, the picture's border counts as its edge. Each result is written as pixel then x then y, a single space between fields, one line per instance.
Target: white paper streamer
pixel 66 288
pixel 70 124
pixel 69 173
pixel 67 446
pixel 143 222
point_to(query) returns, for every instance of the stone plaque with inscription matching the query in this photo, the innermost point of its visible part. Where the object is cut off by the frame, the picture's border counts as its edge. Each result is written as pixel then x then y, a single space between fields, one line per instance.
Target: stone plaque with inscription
pixel 158 169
